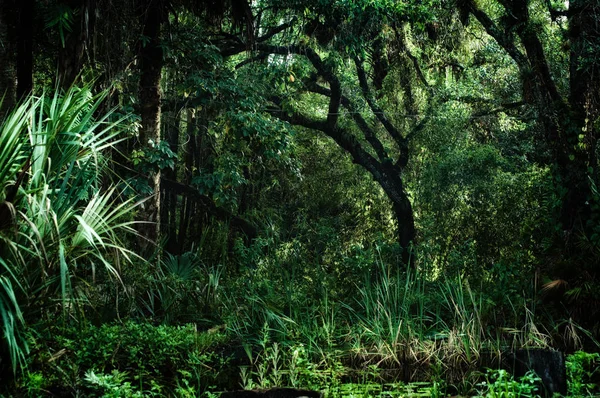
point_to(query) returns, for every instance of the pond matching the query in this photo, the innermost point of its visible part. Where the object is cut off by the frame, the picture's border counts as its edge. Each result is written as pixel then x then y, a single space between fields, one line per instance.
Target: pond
pixel 348 390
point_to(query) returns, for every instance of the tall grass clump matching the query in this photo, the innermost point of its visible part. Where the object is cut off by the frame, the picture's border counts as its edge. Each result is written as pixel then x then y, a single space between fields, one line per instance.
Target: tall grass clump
pixel 462 325
pixel 391 315
pixel 62 224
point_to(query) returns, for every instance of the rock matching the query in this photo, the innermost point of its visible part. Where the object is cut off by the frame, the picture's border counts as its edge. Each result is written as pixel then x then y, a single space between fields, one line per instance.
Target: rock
pixel 549 365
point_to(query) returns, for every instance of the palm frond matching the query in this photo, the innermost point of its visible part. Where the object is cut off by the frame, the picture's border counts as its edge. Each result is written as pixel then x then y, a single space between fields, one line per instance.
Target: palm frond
pixel 12 154
pixel 65 218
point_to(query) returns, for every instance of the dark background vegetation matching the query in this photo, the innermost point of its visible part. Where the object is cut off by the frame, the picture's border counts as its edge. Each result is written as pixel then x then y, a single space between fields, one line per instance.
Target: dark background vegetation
pixel 203 194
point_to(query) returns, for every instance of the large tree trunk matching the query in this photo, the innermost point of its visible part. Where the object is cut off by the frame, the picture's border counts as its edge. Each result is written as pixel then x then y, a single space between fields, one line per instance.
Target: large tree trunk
pixel 391 182
pixel 562 120
pixel 16 51
pixel 406 230
pixel 25 48
pixel 71 55
pixel 8 80
pixel 151 63
pixel 584 102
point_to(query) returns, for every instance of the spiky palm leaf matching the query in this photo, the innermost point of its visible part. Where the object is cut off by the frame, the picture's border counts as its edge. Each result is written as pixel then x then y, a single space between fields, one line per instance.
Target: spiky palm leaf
pixel 12 140
pixel 184 267
pixel 65 217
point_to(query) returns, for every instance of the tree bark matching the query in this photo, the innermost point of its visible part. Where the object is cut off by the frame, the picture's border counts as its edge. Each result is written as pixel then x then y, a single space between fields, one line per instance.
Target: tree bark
pixel 8 82
pixel 151 63
pixel 71 56
pixel 169 200
pixel 584 104
pixel 25 48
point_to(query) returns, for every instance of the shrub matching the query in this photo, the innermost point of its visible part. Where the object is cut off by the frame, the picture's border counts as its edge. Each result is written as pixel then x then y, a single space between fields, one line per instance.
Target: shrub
pixel 131 356
pixel 583 372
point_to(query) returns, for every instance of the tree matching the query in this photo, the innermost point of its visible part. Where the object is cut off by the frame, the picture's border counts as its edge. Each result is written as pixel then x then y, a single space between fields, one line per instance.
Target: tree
pixel 153 14
pixel 367 139
pixel 76 33
pixel 568 118
pixel 16 51
pixel 7 58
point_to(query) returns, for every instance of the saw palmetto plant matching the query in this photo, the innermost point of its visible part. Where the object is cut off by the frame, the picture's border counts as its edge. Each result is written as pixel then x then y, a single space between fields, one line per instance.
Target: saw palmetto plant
pixel 58 222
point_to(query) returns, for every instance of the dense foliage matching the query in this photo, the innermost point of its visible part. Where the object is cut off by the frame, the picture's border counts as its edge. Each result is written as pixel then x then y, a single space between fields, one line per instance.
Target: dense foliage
pixel 361 197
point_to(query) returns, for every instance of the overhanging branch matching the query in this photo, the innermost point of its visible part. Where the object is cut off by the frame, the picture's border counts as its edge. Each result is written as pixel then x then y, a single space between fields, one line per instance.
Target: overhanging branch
pixel 342 138
pixel 378 112
pixel 499 35
pixel 362 124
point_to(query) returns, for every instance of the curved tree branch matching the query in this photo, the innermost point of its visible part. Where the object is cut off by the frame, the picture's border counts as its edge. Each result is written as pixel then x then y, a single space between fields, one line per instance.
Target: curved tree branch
pixel 391 129
pixel 362 124
pixel 278 29
pixel 503 39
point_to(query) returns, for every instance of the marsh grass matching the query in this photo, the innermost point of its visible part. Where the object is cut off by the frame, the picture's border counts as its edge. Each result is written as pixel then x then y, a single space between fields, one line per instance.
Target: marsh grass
pixel 398 326
pixel 390 316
